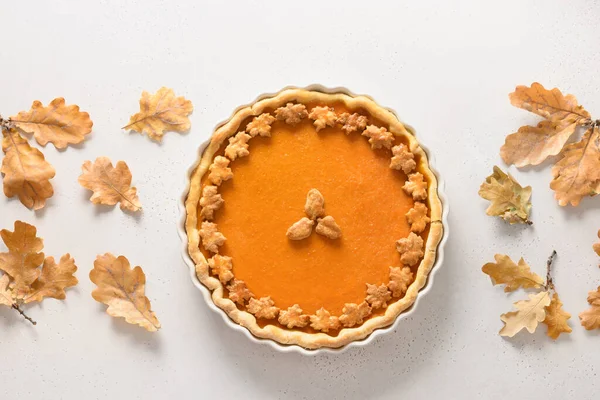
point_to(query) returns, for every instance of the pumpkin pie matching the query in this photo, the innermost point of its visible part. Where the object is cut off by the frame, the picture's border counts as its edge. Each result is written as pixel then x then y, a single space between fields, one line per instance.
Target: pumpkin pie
pixel 313 218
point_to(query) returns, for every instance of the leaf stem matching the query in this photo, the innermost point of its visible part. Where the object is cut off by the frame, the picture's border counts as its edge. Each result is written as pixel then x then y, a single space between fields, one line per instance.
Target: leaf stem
pixel 20 311
pixel 549 282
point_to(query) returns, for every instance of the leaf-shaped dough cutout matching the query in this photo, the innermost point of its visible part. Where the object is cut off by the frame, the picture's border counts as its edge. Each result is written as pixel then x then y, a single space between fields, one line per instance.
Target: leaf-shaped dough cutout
pixel 161 112
pixel 58 123
pixel 122 290
pixel 26 172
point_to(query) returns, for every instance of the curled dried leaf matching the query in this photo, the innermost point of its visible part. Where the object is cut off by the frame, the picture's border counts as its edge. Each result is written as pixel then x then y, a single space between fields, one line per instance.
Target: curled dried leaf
pixel 293 317
pixel 379 137
pixel 352 122
pixel 219 170
pixel 509 200
pixel 403 159
pixel 323 117
pixel 26 172
pixel 161 112
pixel 556 318
pixel 328 227
pixel 315 204
pixel 354 314
pixel 417 217
pixel 590 318
pixel 292 113
pixel 260 125
pixel 378 296
pixel 416 186
pixel 122 289
pixel 238 146
pixel 528 315
pixel 211 237
pixel 324 321
pixel 263 308
pixel 505 272
pixel 300 229
pixel 400 280
pixel 210 202
pixel 410 249
pixel 58 123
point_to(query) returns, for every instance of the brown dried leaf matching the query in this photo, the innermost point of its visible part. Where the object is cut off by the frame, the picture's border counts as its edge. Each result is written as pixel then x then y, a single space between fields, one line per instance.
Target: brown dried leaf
pixel 590 318
pixel 23 258
pixel 577 173
pixel 122 290
pixel 26 172
pixel 596 246
pixel 531 145
pixel 509 200
pixel 58 123
pixel 53 280
pixel 109 184
pixel 6 298
pixel 550 104
pixel 161 112
pixel 505 272
pixel 556 318
pixel 528 315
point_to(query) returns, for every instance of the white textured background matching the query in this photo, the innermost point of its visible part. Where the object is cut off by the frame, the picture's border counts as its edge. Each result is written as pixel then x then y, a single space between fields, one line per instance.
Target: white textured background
pixel 446 67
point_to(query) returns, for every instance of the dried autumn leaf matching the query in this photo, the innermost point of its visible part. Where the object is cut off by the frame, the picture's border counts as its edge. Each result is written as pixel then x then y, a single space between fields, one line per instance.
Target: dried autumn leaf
pixel 23 258
pixel 509 200
pixel 577 173
pixel 590 318
pixel 109 184
pixel 531 145
pixel 26 172
pixel 528 315
pixel 122 290
pixel 550 104
pixel 596 246
pixel 58 123
pixel 6 298
pixel 505 272
pixel 161 112
pixel 556 318
pixel 54 279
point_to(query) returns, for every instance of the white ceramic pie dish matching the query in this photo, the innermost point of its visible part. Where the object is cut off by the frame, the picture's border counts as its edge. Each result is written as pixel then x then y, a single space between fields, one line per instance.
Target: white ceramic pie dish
pixel 286 348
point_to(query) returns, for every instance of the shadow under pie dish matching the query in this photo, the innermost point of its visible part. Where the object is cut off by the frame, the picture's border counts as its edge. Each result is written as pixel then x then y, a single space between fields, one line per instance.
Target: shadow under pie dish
pixel 313 218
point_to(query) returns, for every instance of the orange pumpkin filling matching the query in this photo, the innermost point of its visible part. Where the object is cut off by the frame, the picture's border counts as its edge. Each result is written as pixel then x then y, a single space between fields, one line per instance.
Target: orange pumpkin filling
pixel 267 195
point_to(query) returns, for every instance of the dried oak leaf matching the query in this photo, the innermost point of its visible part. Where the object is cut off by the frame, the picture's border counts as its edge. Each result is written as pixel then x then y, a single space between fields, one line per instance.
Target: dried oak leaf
pixel 577 173
pixel 509 200
pixel 6 298
pixel 122 290
pixel 211 237
pixel 379 137
pixel 378 296
pixel 110 185
pixel 590 318
pixel 263 308
pixel 505 272
pixel 324 321
pixel 26 172
pixel 323 117
pixel 528 315
pixel 221 266
pixel 219 170
pixel 260 125
pixel 315 204
pixel 239 292
pixel 292 113
pixel 300 229
pixel 550 104
pixel 210 202
pixel 238 146
pixel 23 258
pixel 53 280
pixel 402 159
pixel 531 145
pixel 293 317
pixel 352 122
pixel 400 280
pixel 161 112
pixel 410 249
pixel 416 186
pixel 596 246
pixel 328 228
pixel 58 123
pixel 417 217
pixel 556 318
pixel 354 314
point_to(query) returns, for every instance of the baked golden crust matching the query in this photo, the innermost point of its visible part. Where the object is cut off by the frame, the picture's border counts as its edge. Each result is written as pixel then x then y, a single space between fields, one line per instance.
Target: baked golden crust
pixel 273 332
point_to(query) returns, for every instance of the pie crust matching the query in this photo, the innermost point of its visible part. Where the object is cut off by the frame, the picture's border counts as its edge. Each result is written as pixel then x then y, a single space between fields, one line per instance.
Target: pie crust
pixel 378 138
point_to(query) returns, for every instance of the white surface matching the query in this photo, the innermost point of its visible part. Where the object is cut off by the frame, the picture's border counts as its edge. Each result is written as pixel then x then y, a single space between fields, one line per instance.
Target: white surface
pixel 446 68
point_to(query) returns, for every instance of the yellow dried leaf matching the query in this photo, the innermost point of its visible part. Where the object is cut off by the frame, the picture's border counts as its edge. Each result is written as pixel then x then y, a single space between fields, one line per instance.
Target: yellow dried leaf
pixel 26 172
pixel 531 145
pixel 109 184
pixel 58 123
pixel 590 318
pixel 509 200
pixel 550 104
pixel 6 298
pixel 556 318
pixel 122 290
pixel 161 112
pixel 577 173
pixel 528 315
pixel 23 258
pixel 505 272
pixel 54 279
